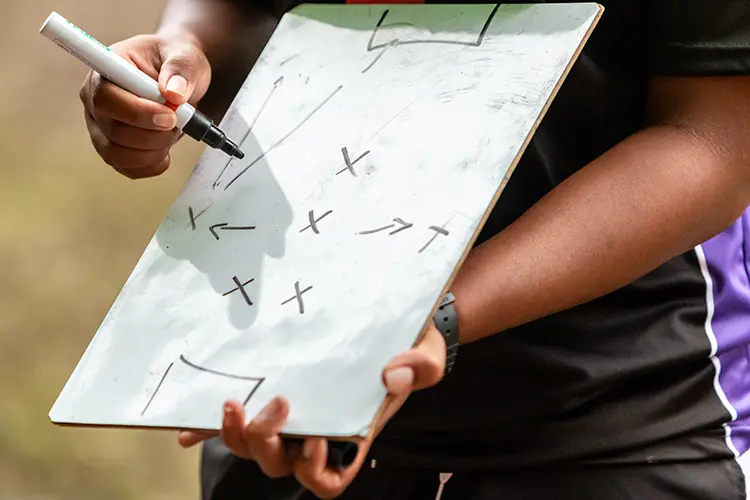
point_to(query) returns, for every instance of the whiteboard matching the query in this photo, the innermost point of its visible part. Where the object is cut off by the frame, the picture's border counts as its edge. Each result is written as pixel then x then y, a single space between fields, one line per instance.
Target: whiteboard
pixel 376 140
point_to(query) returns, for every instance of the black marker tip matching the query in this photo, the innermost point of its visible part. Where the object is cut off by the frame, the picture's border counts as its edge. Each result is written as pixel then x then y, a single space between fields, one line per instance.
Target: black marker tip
pixel 232 149
pixel 202 128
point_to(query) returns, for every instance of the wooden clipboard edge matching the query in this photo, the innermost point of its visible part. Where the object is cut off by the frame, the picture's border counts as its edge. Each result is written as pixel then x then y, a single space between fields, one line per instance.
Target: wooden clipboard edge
pixel 357 439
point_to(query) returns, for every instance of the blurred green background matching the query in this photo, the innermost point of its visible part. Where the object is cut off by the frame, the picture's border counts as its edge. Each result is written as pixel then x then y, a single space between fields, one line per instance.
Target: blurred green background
pixel 72 229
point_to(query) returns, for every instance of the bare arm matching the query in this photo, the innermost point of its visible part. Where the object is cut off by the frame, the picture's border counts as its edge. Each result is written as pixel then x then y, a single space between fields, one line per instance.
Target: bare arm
pixel 657 194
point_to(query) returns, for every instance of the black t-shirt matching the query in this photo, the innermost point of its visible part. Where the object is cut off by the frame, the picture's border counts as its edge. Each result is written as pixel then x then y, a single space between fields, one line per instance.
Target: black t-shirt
pixel 631 376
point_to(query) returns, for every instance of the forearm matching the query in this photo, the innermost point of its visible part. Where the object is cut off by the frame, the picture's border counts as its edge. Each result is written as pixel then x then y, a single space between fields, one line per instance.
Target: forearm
pixel 231 34
pixel 654 196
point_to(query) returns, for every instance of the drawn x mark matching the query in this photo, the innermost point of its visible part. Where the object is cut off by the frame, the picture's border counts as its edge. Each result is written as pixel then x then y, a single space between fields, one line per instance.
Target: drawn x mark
pixel 349 163
pixel 241 288
pixel 194 216
pixel 313 221
pixel 438 230
pixel 298 295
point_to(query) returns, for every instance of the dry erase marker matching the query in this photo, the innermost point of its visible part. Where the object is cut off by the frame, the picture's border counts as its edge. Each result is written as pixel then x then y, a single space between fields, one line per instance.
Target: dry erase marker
pixel 125 75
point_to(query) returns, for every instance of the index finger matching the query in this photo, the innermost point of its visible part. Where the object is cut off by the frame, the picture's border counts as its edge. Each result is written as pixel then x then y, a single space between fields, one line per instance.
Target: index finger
pixel 116 103
pixel 312 472
pixel 191 438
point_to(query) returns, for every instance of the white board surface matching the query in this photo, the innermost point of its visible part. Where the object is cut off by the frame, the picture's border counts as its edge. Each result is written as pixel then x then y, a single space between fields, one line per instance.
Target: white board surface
pixel 376 140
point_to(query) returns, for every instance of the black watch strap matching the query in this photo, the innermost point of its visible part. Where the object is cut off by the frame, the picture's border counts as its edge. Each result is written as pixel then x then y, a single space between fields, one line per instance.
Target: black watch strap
pixel 446 321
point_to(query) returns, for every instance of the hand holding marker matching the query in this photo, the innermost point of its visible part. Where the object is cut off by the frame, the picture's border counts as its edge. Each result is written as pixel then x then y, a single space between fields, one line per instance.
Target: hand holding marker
pixel 125 75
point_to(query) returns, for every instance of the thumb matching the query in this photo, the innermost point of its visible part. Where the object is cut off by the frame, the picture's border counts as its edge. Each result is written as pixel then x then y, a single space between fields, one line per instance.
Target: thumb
pixel 418 368
pixel 184 74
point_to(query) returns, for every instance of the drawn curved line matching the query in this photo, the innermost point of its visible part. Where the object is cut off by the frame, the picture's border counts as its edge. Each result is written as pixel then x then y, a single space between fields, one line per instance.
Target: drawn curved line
pixel 375 30
pixel 379 25
pixel 221 374
pixel 486 26
pixel 377 58
pixel 403 23
pixel 284 138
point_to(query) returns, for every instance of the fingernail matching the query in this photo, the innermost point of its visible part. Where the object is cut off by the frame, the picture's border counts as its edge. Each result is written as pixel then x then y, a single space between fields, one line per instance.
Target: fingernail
pixel 228 411
pixel 399 380
pixel 177 84
pixel 167 120
pixel 307 450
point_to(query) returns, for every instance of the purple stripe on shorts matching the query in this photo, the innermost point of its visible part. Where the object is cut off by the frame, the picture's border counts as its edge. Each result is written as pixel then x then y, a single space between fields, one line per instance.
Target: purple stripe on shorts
pixel 727 260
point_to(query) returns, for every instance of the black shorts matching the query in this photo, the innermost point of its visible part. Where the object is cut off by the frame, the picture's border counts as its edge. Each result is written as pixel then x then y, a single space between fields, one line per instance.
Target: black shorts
pixel 225 477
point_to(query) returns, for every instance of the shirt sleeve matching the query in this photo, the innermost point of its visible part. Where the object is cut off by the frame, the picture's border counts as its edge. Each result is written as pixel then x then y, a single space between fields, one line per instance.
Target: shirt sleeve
pixel 698 37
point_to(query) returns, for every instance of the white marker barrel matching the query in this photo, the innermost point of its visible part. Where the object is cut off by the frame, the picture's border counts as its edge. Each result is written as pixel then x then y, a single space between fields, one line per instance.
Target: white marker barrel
pixel 108 64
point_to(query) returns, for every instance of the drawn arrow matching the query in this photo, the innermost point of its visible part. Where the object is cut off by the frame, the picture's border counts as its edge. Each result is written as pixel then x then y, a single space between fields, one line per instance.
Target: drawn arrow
pixel 404 225
pixel 226 227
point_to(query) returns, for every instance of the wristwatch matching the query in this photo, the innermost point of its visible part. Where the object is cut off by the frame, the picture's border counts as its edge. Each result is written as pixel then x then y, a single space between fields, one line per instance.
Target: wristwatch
pixel 446 321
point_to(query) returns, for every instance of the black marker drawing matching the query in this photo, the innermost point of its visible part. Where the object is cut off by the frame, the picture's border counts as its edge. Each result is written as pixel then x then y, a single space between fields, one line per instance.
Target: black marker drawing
pixel 475 43
pixel 194 216
pixel 350 163
pixel 403 223
pixel 259 380
pixel 252 391
pixel 158 386
pixel 314 222
pixel 298 295
pixel 241 288
pixel 214 227
pixel 284 138
pixel 221 374
pixel 380 54
pixel 226 227
pixel 377 230
pixel 237 228
pixel 289 59
pixel 438 230
pixel 250 128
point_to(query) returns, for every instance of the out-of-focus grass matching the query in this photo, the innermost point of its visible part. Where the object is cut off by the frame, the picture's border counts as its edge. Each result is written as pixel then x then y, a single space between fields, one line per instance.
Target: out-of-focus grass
pixel 72 229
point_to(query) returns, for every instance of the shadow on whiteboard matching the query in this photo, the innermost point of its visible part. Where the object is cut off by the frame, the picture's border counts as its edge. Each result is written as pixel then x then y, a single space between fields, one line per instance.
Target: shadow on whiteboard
pixel 226 235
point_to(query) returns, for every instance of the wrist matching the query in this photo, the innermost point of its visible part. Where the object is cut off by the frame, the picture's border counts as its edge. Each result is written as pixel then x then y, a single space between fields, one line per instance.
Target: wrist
pixel 446 322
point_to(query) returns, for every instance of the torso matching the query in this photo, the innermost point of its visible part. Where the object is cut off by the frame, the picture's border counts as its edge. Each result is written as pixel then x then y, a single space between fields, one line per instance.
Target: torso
pixel 616 379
